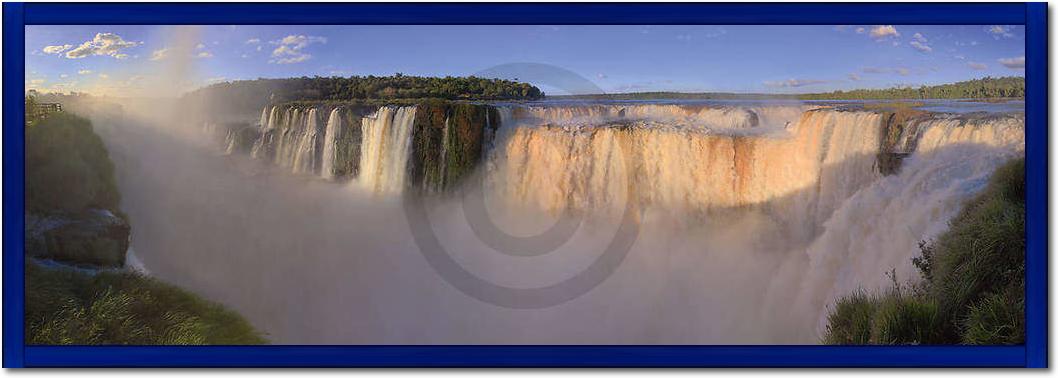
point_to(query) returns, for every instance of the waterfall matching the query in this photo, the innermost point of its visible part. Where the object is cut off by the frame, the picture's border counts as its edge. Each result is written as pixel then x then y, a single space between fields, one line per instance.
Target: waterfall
pixel 296 142
pixel 305 155
pixel 334 126
pixel 263 147
pixel 878 228
pixel 265 112
pixel 1003 132
pixel 231 140
pixel 825 159
pixel 385 149
pixel 795 160
pixel 752 219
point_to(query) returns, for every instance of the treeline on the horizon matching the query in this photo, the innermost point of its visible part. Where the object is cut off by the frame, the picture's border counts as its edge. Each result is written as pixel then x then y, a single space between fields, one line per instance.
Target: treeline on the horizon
pixel 248 96
pixel 398 86
pixel 988 87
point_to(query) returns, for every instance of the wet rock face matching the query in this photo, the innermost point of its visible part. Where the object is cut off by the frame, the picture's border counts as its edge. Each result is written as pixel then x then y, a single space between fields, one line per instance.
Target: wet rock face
pixel 241 139
pixel 899 133
pixel 94 237
pixel 347 143
pixel 448 143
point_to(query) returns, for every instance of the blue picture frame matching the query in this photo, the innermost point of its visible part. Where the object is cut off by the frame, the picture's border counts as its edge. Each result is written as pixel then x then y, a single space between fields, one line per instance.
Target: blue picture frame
pixel 1032 354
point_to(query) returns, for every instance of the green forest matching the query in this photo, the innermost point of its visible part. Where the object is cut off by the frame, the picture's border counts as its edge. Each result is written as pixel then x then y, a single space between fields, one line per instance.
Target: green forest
pixel 249 96
pixel 376 87
pixel 989 87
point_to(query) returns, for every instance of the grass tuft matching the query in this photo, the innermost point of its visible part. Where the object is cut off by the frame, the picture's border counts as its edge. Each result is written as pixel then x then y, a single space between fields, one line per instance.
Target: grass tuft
pixel 67 307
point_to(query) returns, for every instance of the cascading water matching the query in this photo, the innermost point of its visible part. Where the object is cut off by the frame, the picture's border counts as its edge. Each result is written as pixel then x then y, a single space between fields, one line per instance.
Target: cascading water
pixel 698 169
pixel 308 144
pixel 876 231
pixel 385 149
pixel 263 146
pixel 753 219
pixel 334 126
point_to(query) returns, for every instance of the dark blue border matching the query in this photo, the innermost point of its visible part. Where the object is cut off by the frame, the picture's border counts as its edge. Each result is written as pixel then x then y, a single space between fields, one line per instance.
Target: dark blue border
pixel 1037 183
pixel 14 164
pixel 1032 354
pixel 527 356
pixel 525 13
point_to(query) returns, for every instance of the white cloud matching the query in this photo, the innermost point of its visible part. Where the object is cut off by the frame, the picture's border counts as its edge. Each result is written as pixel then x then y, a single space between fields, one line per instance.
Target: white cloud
pixel 919 42
pixel 977 66
pixel 253 41
pixel 63 76
pixel 1013 63
pixel 600 75
pixel 1000 31
pixel 200 46
pixel 921 46
pixel 884 31
pixel 860 30
pixel 84 72
pixel 959 57
pixel 56 49
pixel 104 44
pixel 104 76
pixel 793 83
pixel 290 49
pixel 903 71
pixel 244 56
pixel 37 81
pixel 204 54
pixel 854 77
pixel 160 54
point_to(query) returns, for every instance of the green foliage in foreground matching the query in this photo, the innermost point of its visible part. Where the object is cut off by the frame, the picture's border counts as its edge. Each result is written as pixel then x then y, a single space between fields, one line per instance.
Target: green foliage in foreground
pixel 973 287
pixel 70 307
pixel 989 87
pixel 68 168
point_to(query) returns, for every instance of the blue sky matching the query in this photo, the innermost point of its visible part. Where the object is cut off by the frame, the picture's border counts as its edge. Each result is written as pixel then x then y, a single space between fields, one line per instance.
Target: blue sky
pixel 131 60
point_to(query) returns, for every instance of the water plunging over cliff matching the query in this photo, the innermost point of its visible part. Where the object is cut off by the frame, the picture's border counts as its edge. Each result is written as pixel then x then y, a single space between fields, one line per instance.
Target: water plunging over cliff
pixel 386 148
pixel 754 218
